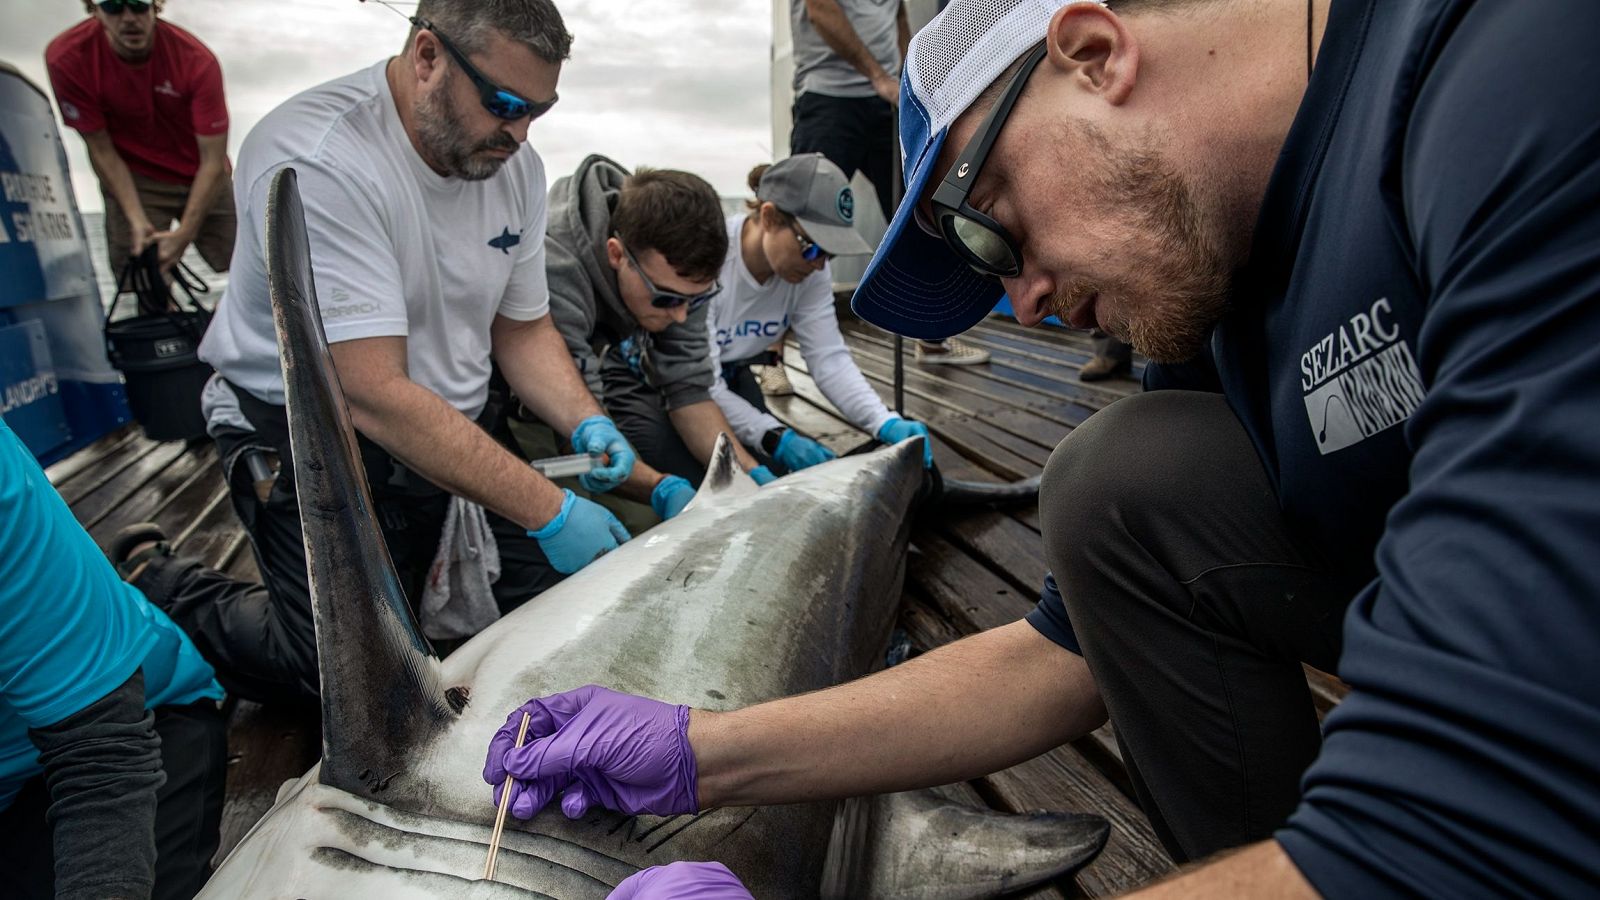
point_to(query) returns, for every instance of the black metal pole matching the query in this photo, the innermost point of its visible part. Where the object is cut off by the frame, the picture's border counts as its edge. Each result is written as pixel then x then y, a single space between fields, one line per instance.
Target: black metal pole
pixel 896 188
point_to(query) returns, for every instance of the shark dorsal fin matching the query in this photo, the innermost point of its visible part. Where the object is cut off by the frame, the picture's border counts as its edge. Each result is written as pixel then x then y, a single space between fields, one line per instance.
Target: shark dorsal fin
pixel 724 478
pixel 381 694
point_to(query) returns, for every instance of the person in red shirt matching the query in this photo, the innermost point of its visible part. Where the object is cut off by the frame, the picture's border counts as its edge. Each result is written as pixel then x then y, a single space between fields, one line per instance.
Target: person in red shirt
pixel 147 97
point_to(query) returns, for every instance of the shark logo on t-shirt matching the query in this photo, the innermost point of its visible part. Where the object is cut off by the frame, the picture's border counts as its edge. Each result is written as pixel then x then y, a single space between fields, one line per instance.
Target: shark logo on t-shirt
pixel 505 241
pixel 166 87
pixel 1359 380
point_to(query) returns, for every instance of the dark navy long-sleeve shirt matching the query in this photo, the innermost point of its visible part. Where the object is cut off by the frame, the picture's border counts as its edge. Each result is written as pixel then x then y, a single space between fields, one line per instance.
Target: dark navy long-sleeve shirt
pixel 1415 351
pixel 1448 191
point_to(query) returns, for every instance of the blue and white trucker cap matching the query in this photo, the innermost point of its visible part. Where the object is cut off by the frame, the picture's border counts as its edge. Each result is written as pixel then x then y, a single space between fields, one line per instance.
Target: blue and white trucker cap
pixel 916 285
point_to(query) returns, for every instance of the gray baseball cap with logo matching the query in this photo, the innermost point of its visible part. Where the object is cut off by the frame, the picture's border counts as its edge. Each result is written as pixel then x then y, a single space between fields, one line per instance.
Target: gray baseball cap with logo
pixel 818 195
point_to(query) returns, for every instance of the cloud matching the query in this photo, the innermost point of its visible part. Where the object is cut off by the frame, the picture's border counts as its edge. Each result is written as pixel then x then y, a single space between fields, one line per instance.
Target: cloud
pixel 671 83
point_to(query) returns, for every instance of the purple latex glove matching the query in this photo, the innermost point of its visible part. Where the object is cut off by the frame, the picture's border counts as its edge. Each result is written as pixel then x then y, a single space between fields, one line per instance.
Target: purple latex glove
pixel 682 881
pixel 597 745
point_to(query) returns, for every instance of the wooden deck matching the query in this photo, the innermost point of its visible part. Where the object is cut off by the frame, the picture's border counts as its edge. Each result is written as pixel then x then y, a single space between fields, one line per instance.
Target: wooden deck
pixel 993 422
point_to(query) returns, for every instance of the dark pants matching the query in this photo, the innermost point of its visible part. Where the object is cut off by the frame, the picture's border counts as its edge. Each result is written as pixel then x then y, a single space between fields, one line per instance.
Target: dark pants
pixel 194 755
pixel 163 204
pixel 261 639
pixel 854 133
pixel 642 417
pixel 1195 606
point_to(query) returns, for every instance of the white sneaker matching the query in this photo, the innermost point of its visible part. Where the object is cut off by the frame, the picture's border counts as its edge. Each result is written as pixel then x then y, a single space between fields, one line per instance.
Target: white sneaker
pixel 950 352
pixel 774 381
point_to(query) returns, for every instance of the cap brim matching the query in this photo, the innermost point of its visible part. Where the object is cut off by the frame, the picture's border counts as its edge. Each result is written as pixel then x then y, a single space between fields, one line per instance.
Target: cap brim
pixel 916 285
pixel 836 240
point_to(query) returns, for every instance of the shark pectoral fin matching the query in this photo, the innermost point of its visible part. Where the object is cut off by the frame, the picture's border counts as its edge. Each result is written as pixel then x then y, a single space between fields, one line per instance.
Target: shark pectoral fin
pixel 723 478
pixel 925 845
pixel 381 695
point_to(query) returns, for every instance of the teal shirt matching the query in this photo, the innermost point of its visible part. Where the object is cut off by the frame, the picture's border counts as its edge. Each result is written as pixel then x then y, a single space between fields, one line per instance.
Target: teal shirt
pixel 71 630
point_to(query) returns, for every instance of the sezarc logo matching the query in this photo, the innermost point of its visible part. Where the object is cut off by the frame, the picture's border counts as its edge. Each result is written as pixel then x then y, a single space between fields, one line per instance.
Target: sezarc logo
pixel 1359 380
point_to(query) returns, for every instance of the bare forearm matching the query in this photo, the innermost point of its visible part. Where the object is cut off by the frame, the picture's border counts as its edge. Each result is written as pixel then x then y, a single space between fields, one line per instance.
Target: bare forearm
pixel 1259 870
pixel 641 481
pixel 117 179
pixel 207 179
pixel 834 26
pixel 973 707
pixel 435 439
pixel 537 365
pixel 699 424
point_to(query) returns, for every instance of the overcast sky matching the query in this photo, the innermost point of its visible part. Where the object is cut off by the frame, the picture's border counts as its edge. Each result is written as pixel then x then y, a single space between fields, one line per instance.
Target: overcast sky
pixel 671 83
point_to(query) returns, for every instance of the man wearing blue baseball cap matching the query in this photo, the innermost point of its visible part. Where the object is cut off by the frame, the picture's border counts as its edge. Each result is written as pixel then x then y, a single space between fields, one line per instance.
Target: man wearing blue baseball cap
pixel 1361 241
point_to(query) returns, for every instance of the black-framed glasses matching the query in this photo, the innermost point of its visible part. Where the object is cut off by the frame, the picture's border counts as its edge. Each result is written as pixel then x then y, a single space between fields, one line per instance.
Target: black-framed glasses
pixel 115 7
pixel 976 238
pixel 501 103
pixel 809 251
pixel 662 298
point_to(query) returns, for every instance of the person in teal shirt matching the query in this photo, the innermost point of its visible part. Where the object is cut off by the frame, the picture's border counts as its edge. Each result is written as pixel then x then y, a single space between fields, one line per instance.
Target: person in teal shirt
pixel 112 747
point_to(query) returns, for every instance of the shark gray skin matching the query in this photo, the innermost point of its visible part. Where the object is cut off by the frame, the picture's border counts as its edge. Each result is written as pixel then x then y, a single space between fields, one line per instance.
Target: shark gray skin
pixel 746 596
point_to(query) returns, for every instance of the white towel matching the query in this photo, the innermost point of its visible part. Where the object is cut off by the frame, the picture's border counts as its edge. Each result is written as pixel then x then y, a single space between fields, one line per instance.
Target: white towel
pixel 457 601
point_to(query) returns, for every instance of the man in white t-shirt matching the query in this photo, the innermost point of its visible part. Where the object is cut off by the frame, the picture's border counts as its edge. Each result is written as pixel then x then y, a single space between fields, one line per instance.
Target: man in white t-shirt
pixel 426 219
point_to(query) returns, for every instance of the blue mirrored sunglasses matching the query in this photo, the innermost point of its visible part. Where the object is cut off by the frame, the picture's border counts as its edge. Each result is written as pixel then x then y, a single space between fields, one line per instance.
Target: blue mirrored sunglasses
pixel 809 251
pixel 500 103
pixel 115 7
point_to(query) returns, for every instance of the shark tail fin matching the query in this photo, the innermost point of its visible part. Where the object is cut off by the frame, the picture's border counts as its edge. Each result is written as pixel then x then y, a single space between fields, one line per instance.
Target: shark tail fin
pixel 724 478
pixel 937 845
pixel 381 691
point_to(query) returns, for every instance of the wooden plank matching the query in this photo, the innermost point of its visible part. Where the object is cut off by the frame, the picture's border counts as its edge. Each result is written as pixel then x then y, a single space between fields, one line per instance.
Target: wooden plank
pixel 969 595
pixel 107 469
pixel 145 503
pixel 1006 547
pixel 1040 432
pixel 1010 385
pixel 925 626
pixel 1029 390
pixel 1061 357
pixel 88 457
pixel 100 502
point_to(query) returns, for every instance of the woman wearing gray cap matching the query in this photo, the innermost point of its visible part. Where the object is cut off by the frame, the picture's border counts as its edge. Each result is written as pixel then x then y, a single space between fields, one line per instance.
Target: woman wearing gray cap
pixel 776 279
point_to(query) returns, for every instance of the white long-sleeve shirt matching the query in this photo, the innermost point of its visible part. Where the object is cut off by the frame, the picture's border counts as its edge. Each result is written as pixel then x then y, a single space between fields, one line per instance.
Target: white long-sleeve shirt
pixel 747 316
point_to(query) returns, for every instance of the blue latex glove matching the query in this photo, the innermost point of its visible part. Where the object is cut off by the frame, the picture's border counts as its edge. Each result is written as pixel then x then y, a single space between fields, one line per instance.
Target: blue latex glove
pixel 762 475
pixel 582 531
pixel 796 451
pixel 682 881
pixel 897 429
pixel 594 436
pixel 596 745
pixel 670 496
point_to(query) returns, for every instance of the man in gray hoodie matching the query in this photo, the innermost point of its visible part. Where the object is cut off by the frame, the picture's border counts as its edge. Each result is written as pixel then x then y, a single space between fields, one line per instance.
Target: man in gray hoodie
pixel 632 260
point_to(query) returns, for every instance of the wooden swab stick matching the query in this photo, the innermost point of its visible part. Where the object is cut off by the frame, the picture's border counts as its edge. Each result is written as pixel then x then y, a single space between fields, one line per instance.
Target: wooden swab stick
pixel 505 805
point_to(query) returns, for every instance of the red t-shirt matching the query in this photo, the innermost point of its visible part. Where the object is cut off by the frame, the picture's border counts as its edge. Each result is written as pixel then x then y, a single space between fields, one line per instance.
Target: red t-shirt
pixel 153 110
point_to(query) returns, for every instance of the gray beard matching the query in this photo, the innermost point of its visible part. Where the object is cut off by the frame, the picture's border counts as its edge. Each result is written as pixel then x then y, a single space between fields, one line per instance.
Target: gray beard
pixel 441 137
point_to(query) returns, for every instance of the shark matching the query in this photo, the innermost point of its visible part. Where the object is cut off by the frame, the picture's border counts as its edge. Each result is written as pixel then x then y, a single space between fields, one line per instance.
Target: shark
pixel 747 595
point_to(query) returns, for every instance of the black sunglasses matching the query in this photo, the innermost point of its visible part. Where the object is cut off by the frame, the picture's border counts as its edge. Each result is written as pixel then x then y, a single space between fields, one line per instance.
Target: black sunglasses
pixel 661 298
pixel 809 250
pixel 976 238
pixel 115 7
pixel 501 103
